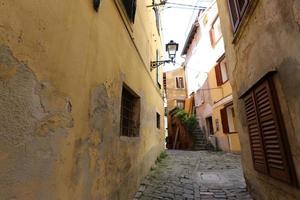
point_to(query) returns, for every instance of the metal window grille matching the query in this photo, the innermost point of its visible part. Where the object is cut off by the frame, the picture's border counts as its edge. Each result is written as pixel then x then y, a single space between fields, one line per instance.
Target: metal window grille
pixel 129 114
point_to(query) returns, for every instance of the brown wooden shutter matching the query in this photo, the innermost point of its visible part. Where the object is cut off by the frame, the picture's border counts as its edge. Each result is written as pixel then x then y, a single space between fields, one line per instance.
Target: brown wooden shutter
pixel 224 120
pixel 177 82
pixel 270 150
pixel 257 149
pixel 271 132
pixel 218 75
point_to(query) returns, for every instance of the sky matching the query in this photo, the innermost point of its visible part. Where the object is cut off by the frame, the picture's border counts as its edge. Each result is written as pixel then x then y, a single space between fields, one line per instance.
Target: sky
pixel 176 22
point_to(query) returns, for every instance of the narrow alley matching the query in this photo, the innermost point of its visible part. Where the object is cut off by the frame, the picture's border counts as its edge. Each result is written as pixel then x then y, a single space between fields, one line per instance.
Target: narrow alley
pixel 150 100
pixel 195 175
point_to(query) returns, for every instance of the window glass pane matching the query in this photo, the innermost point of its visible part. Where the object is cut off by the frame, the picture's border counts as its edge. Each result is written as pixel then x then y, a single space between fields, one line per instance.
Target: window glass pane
pixel 224 72
pixel 217 30
pixel 179 82
pixel 233 11
pixel 130 7
pixel 242 5
pixel 180 104
pixel 130 109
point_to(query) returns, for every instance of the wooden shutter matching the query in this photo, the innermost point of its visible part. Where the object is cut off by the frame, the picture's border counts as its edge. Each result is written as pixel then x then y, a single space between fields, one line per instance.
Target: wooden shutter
pixel 271 132
pixel 224 120
pixel 177 82
pixel 257 150
pixel 267 134
pixel 234 14
pixel 218 75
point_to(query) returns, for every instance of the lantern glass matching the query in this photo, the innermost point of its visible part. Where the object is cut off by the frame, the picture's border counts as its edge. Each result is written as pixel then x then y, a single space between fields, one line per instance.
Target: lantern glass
pixel 172 48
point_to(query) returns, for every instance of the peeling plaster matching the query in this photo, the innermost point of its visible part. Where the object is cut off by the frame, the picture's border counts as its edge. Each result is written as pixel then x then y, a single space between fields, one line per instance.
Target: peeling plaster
pixel 29 109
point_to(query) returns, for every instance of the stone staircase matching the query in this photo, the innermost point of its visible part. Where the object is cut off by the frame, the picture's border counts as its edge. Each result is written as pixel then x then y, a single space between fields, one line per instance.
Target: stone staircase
pixel 200 141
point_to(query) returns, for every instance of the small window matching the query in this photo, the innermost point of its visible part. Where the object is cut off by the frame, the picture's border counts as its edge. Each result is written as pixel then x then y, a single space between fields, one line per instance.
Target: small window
pixel 180 104
pixel 130 113
pixel 221 72
pixel 179 82
pixel 158 120
pixel 215 32
pixel 130 8
pixel 237 10
pixel 224 71
pixel 270 153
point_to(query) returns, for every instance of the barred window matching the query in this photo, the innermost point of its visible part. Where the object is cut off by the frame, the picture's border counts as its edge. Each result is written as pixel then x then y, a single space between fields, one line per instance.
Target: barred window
pixel 130 113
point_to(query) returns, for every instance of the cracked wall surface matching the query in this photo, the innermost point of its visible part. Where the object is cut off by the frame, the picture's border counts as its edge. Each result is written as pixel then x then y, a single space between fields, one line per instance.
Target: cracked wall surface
pixel 34 118
pixel 62 68
pixel 268 40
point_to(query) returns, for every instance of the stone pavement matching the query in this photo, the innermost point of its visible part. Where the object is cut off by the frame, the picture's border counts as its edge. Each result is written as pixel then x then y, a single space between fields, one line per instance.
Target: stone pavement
pixel 186 175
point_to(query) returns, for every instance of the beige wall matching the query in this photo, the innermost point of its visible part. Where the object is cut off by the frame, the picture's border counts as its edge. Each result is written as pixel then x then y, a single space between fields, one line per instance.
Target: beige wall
pixel 221 96
pixel 173 93
pixel 218 92
pixel 62 66
pixel 268 39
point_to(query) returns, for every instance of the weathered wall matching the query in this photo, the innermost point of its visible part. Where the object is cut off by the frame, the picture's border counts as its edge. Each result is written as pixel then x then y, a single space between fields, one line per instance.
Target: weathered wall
pixel 62 66
pixel 268 39
pixel 203 104
pixel 218 92
pixel 221 95
pixel 174 93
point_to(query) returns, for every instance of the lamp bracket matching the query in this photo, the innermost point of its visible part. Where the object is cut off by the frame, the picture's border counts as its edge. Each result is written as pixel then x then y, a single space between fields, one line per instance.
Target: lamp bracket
pixel 156 64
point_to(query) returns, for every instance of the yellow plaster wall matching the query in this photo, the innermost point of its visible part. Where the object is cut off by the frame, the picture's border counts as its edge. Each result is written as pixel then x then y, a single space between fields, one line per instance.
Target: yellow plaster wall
pixel 222 139
pixel 226 142
pixel 234 141
pixel 218 92
pixel 62 66
pixel 174 93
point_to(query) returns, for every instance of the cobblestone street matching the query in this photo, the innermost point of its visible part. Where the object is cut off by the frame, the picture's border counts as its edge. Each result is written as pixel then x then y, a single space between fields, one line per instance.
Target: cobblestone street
pixel 195 175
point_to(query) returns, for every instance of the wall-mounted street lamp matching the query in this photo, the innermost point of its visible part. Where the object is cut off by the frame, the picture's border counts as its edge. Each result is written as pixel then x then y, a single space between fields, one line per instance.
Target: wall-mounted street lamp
pixel 171 48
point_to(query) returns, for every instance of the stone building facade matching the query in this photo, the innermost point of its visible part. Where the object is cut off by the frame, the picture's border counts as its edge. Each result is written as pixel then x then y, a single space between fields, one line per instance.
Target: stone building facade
pixel 69 70
pixel 262 42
